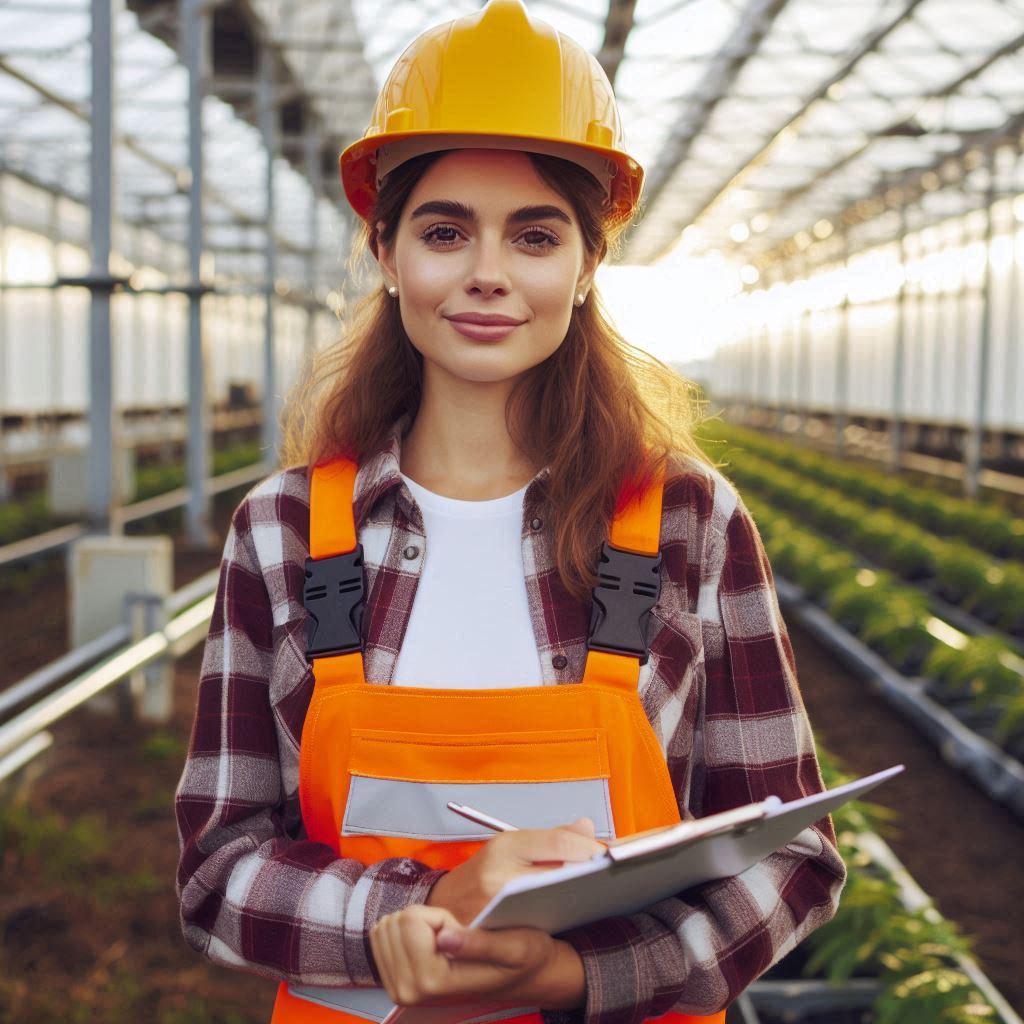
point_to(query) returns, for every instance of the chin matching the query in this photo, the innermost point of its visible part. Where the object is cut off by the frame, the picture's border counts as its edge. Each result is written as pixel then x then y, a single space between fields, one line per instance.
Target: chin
pixel 487 368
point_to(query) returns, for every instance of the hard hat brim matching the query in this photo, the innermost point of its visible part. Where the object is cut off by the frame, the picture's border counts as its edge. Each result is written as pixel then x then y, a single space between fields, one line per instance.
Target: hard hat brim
pixel 359 164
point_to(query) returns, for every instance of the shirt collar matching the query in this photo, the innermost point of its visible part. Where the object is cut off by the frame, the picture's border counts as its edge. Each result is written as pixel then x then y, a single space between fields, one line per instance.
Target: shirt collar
pixel 381 473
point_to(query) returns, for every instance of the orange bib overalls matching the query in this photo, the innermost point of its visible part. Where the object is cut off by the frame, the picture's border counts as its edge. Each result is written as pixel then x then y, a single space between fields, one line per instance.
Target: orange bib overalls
pixel 378 764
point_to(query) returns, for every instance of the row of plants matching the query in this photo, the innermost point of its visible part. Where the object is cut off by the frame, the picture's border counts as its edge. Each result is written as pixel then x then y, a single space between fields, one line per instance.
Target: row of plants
pixel 986 525
pixel 894 619
pixel 153 480
pixel 912 954
pixel 29 516
pixel 25 518
pixel 992 591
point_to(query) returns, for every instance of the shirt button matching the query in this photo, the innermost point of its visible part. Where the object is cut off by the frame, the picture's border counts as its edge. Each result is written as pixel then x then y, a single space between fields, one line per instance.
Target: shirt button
pixel 559 661
pixel 536 524
pixel 411 552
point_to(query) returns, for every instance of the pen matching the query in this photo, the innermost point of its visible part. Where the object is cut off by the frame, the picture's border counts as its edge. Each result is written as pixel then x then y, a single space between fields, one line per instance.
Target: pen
pixel 480 818
pixel 489 821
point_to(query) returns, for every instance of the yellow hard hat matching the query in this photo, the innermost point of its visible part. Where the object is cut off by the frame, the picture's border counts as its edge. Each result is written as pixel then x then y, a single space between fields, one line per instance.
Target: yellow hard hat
pixel 495 79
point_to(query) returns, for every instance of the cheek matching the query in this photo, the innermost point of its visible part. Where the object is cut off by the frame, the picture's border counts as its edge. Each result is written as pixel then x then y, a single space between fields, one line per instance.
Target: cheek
pixel 548 286
pixel 426 279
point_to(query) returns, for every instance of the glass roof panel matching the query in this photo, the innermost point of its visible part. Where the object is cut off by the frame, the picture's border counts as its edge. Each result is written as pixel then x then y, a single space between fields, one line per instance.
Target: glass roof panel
pixel 735 107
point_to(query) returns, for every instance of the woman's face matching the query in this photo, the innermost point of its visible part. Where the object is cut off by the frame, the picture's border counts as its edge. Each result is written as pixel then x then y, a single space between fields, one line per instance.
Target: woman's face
pixel 483 235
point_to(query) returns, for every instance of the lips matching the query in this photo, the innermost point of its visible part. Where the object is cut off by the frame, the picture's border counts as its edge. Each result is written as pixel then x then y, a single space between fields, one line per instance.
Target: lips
pixel 485 319
pixel 492 327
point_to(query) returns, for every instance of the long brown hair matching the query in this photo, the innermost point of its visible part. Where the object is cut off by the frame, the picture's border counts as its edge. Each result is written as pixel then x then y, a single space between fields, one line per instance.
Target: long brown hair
pixel 599 412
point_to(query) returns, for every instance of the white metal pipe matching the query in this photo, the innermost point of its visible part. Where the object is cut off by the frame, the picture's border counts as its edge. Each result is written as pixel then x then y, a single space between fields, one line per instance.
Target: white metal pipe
pixel 45 677
pixel 175 638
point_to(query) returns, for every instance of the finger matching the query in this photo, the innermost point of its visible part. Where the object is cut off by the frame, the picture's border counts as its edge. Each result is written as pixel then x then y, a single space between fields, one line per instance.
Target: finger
pixel 418 969
pixel 584 826
pixel 382 957
pixel 558 845
pixel 505 948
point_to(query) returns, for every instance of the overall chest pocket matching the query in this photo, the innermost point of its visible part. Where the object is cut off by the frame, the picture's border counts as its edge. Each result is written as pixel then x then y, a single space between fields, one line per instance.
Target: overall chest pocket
pixel 400 782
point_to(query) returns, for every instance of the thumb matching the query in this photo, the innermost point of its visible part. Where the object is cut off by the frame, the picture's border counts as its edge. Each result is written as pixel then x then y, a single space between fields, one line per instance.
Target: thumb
pixel 502 948
pixel 451 938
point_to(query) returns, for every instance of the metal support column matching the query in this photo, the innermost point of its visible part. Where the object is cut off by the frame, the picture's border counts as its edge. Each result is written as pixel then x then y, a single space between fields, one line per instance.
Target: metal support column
pixel 976 431
pixel 750 378
pixel 194 19
pixel 56 317
pixel 316 189
pixel 268 115
pixel 842 382
pixel 1011 365
pixel 4 376
pixel 960 358
pixel 762 358
pixel 945 325
pixel 780 369
pixel 100 456
pixel 803 353
pixel 899 354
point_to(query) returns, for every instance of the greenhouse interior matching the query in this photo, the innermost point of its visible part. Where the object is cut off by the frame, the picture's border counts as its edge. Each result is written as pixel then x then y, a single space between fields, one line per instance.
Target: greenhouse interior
pixel 827 257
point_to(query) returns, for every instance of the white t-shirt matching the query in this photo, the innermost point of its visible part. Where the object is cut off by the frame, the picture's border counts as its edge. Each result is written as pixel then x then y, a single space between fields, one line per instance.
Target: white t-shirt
pixel 470 623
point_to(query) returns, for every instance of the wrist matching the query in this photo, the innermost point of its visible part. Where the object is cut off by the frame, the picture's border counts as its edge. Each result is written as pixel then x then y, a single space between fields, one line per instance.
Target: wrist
pixel 560 983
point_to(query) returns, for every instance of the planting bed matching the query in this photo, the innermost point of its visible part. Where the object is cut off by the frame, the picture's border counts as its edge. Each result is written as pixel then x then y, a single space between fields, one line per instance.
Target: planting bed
pixel 980 679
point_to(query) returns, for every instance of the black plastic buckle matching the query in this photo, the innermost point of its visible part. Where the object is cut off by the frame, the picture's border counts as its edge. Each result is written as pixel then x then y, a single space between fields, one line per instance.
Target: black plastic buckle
pixel 333 597
pixel 627 589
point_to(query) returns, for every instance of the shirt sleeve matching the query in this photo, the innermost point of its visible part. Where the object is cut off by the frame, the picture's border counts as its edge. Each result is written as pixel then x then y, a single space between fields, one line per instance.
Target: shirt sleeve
pixel 251 895
pixel 694 953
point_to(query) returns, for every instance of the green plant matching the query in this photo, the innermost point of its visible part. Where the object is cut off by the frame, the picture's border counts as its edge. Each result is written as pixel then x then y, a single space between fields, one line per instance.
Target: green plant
pixel 984 669
pixel 66 851
pixel 962 574
pixel 163 746
pixel 913 954
pixel 939 995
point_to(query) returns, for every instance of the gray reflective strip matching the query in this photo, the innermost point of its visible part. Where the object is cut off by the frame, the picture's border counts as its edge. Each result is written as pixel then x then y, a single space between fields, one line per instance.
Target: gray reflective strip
pixel 369 1003
pixel 418 810
pixel 374 1004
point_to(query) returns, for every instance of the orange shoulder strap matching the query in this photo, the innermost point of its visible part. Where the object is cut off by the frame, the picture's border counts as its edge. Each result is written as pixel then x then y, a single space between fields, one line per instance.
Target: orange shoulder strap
pixel 332 525
pixel 637 523
pixel 332 531
pixel 636 528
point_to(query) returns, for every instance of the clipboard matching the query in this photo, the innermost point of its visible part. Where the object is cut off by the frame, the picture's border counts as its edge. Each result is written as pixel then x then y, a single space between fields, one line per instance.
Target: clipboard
pixel 645 845
pixel 643 869
pixel 628 875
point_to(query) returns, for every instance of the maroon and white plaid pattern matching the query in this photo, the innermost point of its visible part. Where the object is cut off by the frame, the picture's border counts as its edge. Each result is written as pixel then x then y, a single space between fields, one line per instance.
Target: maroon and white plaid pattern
pixel 719 690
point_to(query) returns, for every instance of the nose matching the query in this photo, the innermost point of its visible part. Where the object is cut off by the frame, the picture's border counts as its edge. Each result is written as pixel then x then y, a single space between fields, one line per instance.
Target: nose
pixel 487 274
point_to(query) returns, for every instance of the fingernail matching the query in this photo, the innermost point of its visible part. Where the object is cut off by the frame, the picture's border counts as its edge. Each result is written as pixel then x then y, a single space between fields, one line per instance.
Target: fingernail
pixel 449 942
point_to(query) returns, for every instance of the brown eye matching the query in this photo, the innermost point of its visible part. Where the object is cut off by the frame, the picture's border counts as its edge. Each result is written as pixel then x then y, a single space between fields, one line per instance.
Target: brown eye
pixel 536 238
pixel 441 235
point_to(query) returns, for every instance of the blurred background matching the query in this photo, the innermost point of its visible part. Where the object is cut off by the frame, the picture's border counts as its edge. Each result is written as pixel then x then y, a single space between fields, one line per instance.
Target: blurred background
pixel 831 245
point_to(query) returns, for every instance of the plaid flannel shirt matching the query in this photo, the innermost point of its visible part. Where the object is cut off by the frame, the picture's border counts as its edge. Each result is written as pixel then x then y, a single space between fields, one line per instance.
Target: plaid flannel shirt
pixel 720 692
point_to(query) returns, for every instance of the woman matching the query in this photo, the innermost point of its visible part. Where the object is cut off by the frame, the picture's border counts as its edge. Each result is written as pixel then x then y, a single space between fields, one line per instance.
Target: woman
pixel 478 437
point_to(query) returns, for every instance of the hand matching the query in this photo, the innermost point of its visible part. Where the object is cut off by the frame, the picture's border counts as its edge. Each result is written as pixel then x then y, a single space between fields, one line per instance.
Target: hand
pixel 468 888
pixel 426 958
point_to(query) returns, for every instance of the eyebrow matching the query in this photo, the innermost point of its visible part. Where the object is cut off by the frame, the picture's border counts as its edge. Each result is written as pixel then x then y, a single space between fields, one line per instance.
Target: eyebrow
pixel 452 208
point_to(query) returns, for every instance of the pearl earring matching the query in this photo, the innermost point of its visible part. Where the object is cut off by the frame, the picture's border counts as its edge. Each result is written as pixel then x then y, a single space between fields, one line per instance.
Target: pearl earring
pixel 580 299
pixel 393 291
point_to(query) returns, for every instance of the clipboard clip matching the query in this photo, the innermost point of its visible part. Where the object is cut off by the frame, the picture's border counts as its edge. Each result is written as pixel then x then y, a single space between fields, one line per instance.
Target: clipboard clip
pixel 737 820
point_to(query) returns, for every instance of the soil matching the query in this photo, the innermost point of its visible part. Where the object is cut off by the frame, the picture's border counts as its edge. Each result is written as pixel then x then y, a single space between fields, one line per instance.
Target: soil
pixel 88 920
